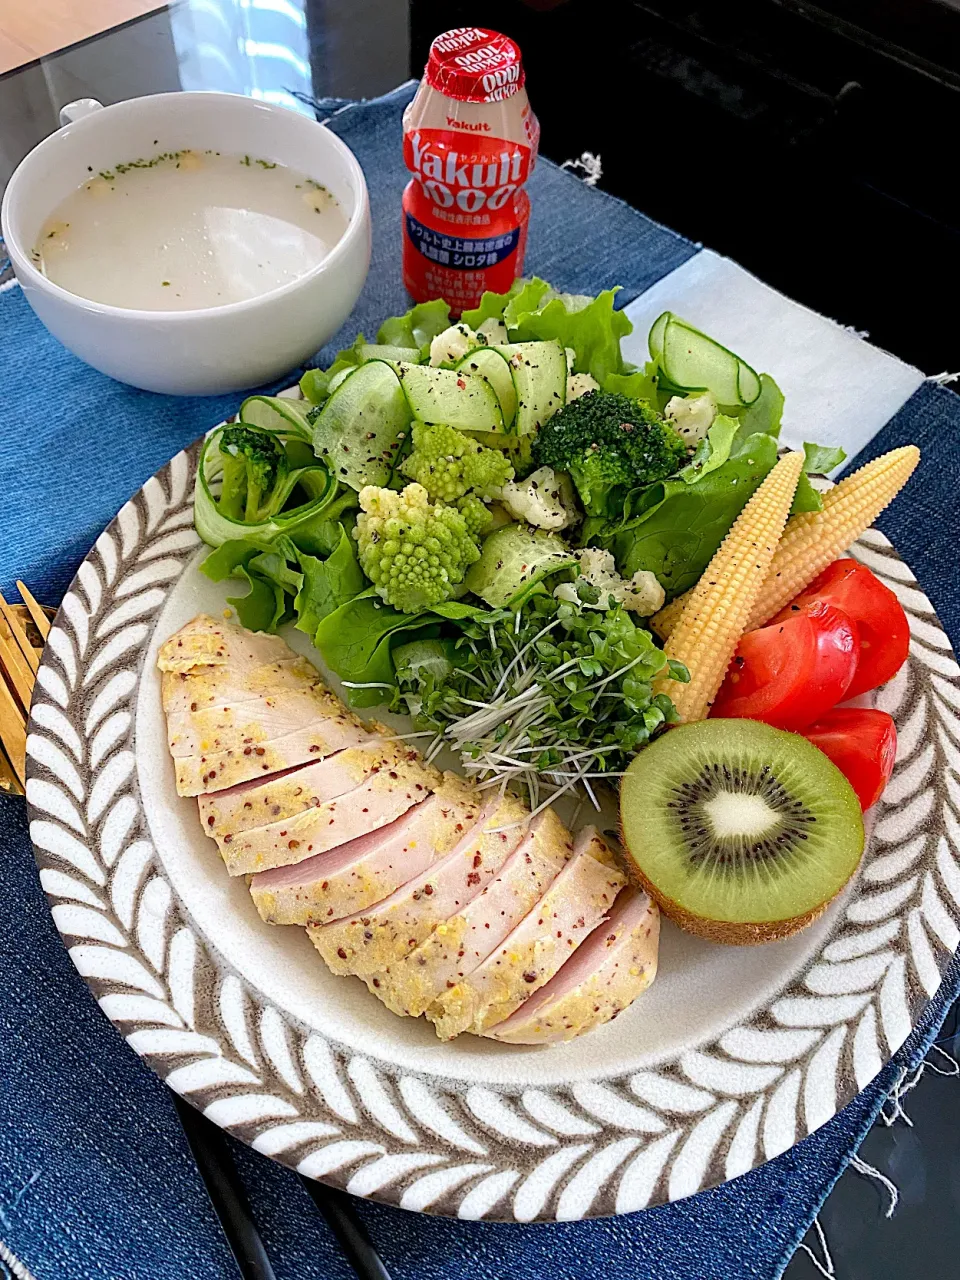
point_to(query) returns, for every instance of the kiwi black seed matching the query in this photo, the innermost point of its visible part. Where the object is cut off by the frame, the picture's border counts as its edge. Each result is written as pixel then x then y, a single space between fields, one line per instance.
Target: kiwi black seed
pixel 742 833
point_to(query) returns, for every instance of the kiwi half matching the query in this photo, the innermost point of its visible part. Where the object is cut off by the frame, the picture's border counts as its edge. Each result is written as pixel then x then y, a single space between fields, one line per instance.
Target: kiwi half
pixel 742 833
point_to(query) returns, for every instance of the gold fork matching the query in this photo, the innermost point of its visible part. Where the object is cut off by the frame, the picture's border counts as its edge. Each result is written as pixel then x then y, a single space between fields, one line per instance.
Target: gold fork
pixel 23 631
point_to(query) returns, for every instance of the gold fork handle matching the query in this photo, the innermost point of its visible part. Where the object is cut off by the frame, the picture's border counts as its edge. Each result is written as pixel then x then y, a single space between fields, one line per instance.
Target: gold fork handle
pixel 19 663
pixel 13 737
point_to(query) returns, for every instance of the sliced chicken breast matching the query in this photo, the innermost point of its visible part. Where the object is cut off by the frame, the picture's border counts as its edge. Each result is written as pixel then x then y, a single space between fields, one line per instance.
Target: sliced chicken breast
pixel 353 876
pixel 210 663
pixel 376 802
pixel 463 941
pixel 283 714
pixel 273 715
pixel 575 902
pixel 604 975
pixel 215 771
pixel 470 913
pixel 383 934
pixel 283 795
pixel 205 687
pixel 207 642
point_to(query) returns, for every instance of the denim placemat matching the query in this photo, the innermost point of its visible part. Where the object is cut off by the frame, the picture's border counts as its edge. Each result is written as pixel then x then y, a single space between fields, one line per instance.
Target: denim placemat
pixel 95 1177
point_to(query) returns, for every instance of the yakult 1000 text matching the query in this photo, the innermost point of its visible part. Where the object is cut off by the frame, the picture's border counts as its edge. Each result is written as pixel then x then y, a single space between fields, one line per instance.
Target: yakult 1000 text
pixel 485 177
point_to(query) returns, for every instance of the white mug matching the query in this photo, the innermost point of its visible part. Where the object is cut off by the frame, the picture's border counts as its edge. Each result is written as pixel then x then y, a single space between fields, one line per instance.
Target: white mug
pixel 214 349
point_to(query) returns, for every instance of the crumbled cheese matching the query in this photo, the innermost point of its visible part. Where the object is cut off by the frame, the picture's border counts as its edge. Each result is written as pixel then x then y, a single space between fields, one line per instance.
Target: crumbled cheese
pixel 692 416
pixel 578 384
pixel 493 331
pixel 641 594
pixel 452 344
pixel 540 500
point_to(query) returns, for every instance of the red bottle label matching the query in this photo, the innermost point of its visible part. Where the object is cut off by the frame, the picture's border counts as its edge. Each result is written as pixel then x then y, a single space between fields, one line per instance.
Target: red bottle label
pixel 465 214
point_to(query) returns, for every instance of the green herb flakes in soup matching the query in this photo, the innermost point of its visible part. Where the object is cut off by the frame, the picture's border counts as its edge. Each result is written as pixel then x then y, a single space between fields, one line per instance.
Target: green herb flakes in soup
pixel 188 229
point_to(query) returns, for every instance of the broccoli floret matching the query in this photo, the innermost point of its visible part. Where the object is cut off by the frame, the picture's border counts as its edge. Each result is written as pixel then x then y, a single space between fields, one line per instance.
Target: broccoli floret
pixel 254 468
pixel 449 464
pixel 609 444
pixel 415 553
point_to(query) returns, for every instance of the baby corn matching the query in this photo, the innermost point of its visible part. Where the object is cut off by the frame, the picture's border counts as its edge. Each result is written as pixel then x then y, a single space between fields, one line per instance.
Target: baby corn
pixel 706 637
pixel 815 539
pixel 664 622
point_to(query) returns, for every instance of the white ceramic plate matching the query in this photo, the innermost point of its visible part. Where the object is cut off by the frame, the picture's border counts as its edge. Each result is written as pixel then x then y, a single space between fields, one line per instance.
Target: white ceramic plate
pixel 733 1056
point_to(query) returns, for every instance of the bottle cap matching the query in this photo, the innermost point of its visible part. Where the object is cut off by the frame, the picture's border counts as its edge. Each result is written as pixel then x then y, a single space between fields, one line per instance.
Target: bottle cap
pixel 472 64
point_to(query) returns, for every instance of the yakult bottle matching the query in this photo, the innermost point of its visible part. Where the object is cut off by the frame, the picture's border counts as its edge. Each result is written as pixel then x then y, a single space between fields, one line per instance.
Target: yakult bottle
pixel 470 141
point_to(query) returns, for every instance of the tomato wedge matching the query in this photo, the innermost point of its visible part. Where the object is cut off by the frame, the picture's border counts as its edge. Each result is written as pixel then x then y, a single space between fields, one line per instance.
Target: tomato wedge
pixel 790 672
pixel 881 622
pixel 862 743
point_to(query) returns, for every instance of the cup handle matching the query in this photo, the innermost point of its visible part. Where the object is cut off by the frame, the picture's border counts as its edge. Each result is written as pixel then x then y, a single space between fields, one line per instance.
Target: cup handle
pixel 77 110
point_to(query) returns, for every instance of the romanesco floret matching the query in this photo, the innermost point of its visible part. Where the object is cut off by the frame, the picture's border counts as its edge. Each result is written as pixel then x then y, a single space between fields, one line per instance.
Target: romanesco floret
pixel 599 586
pixel 476 515
pixel 415 553
pixel 449 464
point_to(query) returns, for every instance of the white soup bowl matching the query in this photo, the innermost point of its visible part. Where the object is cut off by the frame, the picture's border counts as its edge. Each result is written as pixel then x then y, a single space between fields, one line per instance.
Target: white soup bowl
pixel 214 349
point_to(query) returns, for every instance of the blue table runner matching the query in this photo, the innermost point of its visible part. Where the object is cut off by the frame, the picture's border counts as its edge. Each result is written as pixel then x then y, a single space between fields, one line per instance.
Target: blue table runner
pixel 95 1176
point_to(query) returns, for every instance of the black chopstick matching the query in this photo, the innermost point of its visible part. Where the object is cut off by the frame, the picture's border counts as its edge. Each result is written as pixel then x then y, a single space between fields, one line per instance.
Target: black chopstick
pixel 229 1200
pixel 345 1223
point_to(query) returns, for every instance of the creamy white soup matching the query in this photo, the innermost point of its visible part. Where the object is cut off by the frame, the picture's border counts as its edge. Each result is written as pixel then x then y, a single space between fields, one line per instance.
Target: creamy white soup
pixel 188 229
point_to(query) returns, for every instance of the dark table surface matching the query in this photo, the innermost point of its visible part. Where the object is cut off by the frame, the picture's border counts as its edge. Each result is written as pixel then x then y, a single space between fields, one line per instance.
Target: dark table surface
pixel 815 133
